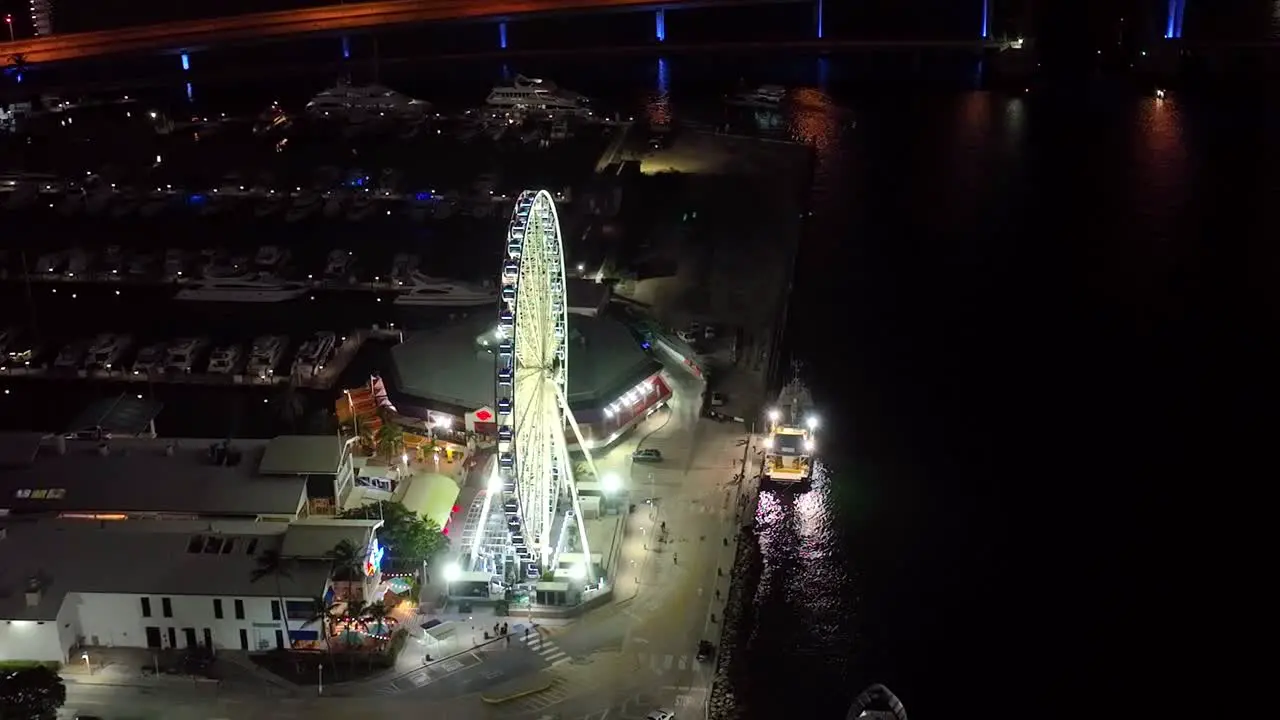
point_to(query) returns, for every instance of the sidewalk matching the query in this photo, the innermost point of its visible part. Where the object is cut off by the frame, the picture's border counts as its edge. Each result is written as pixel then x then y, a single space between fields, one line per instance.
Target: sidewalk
pixel 231 672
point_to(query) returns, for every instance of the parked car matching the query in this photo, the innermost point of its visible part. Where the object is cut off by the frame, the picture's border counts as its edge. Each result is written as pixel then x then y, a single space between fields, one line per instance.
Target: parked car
pixel 647 455
pixel 706 651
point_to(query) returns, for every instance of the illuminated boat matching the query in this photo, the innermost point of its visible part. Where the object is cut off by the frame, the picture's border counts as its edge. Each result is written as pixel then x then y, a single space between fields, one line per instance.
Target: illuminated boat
pixel 790 448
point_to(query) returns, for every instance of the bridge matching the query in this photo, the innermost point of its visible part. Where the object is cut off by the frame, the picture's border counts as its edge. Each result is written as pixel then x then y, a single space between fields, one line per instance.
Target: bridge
pixel 340 18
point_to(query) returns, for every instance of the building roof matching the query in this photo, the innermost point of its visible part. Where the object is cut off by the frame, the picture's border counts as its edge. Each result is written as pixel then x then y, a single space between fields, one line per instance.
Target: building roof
pixel 134 475
pixel 18 449
pixel 449 365
pixel 85 557
pixel 302 455
pixel 314 539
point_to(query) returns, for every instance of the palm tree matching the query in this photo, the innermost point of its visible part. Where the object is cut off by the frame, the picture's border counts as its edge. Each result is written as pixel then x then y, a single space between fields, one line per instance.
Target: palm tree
pixel 271 564
pixel 354 615
pixel 344 561
pixel 389 439
pixel 324 614
pixel 18 64
pixel 376 614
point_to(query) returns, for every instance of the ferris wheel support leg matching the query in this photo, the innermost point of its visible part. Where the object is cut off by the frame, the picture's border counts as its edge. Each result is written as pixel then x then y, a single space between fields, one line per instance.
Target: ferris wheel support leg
pixel 573 483
pixel 484 520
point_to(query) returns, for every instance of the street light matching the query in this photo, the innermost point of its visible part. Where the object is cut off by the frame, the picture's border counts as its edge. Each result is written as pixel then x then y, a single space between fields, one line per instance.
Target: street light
pixel 611 482
pixel 773 415
pixel 85 657
pixel 8 20
pixel 812 422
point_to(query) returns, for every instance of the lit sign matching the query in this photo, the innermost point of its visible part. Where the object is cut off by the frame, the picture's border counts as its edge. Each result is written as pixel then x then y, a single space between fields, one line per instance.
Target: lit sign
pixel 484 415
pixel 373 563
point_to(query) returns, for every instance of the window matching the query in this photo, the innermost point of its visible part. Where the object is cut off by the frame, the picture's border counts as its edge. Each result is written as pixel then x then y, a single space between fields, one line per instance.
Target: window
pixel 275 609
pixel 146 607
pixel 166 607
pixel 239 609
pixel 217 608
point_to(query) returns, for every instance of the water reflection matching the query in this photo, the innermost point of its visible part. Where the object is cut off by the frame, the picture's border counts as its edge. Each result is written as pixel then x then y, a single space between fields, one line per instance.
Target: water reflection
pixel 803 588
pixel 657 107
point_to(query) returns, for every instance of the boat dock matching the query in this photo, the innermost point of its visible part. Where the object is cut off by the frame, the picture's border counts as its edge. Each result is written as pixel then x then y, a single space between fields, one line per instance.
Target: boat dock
pixel 324 378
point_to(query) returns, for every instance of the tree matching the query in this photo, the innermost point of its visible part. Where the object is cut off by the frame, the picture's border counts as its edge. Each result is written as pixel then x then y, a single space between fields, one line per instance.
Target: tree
pixel 409 539
pixel 389 440
pixel 31 694
pixel 377 614
pixel 324 615
pixel 271 564
pixel 17 66
pixel 344 560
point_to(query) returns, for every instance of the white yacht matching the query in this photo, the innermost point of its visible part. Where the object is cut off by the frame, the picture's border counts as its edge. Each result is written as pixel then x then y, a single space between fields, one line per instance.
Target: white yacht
pixel 345 101
pixel 765 96
pixel 106 351
pixel 536 94
pixel 313 354
pixel 183 354
pixel 427 291
pixel 242 288
pixel 265 355
pixel 150 359
pixel 225 360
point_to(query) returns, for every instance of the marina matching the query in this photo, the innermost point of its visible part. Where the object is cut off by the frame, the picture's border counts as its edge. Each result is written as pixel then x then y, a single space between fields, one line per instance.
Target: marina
pixel 314 363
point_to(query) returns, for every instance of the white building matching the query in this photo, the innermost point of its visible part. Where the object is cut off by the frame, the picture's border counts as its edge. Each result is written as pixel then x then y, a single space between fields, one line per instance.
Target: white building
pixel 68 583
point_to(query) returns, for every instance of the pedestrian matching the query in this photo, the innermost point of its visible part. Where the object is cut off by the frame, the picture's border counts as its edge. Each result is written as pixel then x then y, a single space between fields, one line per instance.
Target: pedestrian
pixel 505 629
pixel 526 632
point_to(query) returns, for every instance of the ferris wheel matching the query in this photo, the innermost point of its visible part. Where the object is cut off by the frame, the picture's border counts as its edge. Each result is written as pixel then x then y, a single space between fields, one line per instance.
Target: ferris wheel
pixel 532 376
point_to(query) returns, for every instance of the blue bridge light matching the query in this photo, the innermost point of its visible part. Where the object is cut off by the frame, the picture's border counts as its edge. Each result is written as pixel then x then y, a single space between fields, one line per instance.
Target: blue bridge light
pixel 1173 21
pixel 186 61
pixel 986 19
pixel 502 35
pixel 818 19
pixel 660 25
pixel 346 47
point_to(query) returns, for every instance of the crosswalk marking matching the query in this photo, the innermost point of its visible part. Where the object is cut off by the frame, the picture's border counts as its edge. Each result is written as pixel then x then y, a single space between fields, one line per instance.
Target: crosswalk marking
pixel 661 664
pixel 546 648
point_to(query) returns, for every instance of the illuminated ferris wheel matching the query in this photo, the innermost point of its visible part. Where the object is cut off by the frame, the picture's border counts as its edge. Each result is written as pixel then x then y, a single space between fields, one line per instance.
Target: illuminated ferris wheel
pixel 532 371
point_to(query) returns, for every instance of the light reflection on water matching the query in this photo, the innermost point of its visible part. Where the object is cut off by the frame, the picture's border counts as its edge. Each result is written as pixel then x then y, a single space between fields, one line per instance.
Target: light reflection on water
pixel 804 601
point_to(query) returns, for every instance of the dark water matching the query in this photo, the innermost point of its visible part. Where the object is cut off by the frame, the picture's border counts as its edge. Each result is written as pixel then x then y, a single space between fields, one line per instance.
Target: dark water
pixel 1006 309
